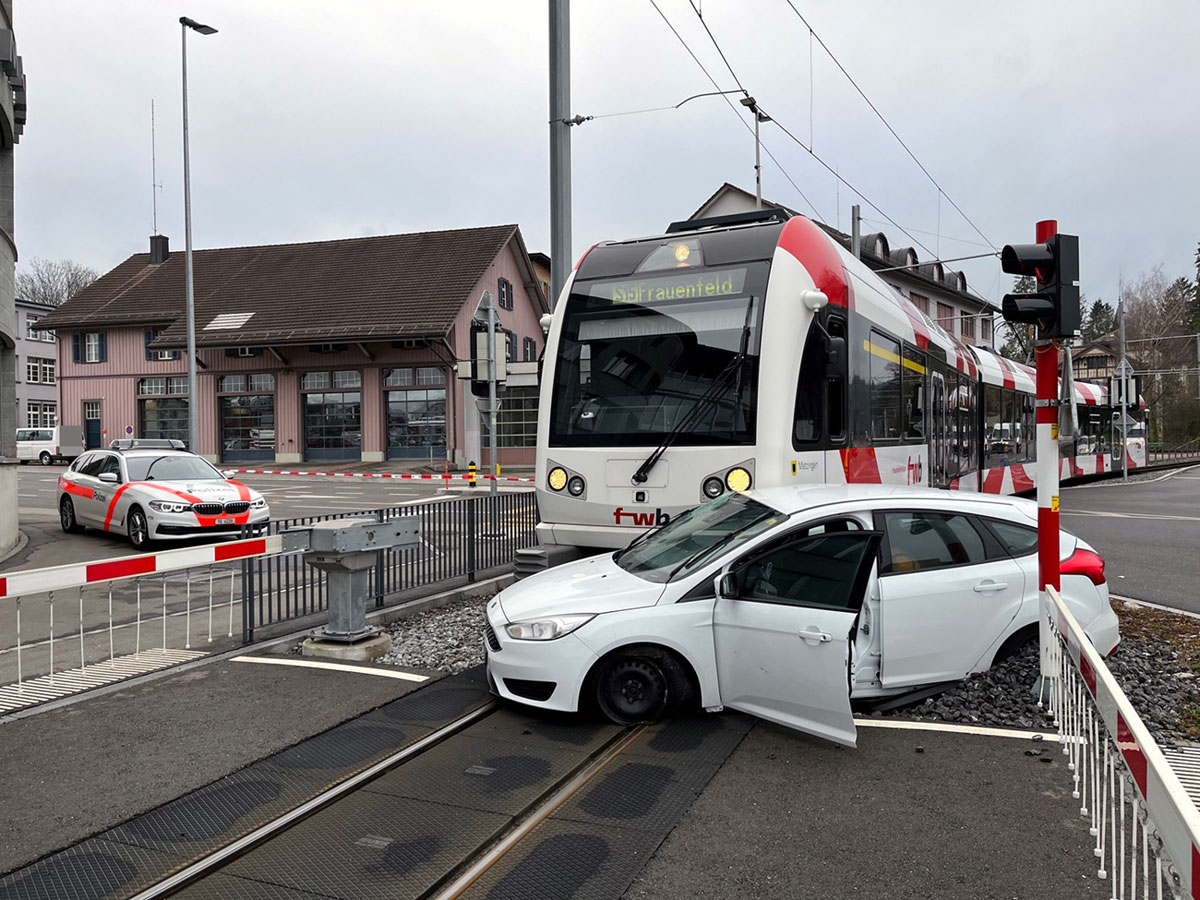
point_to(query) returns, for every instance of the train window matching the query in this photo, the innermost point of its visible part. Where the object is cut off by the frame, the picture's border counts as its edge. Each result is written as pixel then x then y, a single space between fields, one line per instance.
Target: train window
pixel 993 427
pixel 809 389
pixel 835 391
pixel 885 387
pixel 914 393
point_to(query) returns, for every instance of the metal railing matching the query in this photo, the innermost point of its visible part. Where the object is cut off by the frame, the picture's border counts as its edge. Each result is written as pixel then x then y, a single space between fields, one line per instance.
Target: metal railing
pixel 460 537
pixel 1158 453
pixel 1146 827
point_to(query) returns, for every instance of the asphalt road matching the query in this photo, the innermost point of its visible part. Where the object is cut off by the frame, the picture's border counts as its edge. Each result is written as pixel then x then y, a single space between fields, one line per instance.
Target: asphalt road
pixel 1148 533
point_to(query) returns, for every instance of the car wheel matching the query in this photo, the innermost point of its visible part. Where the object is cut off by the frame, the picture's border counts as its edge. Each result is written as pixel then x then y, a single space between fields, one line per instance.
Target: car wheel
pixel 639 686
pixel 139 529
pixel 66 517
pixel 45 459
pixel 1016 642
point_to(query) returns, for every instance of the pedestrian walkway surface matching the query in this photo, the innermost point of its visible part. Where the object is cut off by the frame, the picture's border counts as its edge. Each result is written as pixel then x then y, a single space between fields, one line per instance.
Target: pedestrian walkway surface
pixel 907 814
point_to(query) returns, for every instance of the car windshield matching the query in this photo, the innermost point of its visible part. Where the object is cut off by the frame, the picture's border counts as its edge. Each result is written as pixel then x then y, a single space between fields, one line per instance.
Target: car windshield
pixel 691 540
pixel 171 468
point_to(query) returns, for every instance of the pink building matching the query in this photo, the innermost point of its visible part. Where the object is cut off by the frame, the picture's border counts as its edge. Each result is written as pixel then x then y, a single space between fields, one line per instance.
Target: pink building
pixel 326 351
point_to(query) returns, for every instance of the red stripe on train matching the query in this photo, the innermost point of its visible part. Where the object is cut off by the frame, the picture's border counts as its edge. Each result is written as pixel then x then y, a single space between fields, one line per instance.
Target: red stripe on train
pixel 815 251
pixel 860 465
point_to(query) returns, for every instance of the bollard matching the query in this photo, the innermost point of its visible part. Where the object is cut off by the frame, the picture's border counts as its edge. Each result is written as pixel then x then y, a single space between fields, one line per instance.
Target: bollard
pixel 446 474
pixel 471 473
pixel 345 549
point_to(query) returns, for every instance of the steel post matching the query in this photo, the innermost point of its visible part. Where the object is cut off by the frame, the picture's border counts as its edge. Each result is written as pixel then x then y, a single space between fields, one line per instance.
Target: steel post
pixel 1046 419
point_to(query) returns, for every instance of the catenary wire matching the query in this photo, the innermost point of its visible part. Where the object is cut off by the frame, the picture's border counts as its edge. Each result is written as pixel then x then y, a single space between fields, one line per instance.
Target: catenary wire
pixel 933 181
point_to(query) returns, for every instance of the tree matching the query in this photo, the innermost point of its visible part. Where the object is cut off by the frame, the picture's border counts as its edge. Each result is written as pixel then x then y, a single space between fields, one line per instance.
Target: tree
pixel 1101 320
pixel 53 282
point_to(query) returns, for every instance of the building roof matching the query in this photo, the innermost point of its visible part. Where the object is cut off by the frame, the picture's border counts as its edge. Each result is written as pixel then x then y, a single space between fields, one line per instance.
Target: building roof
pixel 354 289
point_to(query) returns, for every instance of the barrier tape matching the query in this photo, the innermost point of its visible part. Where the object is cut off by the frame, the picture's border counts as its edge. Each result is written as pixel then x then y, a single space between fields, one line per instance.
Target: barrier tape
pixel 408 475
pixel 54 578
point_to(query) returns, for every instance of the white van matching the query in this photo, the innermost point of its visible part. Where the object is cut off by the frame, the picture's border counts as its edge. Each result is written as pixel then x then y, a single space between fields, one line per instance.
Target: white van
pixel 61 443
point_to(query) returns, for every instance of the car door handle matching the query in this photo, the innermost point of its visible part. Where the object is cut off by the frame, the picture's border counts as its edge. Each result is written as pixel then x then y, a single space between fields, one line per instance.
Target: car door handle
pixel 819 637
pixel 985 586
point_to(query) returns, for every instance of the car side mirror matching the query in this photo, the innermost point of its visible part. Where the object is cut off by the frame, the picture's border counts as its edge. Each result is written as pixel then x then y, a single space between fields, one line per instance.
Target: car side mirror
pixel 725 586
pixel 108 477
pixel 835 359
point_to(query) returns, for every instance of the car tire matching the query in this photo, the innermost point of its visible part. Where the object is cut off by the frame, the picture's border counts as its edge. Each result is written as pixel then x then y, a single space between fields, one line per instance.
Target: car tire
pixel 138 530
pixel 1015 643
pixel 46 459
pixel 66 517
pixel 640 685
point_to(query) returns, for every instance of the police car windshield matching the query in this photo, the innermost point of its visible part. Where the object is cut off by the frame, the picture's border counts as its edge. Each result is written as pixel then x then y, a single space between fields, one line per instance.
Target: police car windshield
pixel 171 468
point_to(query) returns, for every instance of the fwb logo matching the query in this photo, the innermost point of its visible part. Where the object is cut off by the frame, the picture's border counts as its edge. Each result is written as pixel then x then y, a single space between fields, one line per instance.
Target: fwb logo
pixel 658 517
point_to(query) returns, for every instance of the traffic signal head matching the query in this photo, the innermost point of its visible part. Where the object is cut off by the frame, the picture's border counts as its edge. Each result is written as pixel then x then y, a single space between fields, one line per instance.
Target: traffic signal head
pixel 1054 306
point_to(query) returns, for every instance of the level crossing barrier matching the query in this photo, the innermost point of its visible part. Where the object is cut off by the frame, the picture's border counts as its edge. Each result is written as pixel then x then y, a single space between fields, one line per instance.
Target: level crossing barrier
pixel 1146 827
pixel 460 538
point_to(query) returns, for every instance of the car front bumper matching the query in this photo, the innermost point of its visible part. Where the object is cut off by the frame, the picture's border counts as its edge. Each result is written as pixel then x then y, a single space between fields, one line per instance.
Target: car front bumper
pixel 544 674
pixel 181 526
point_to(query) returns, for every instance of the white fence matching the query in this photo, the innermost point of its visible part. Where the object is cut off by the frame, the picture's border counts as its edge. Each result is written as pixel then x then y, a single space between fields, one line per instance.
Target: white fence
pixel 1147 828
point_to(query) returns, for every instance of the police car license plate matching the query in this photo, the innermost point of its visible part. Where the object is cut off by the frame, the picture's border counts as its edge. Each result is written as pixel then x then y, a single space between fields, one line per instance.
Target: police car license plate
pixel 225 521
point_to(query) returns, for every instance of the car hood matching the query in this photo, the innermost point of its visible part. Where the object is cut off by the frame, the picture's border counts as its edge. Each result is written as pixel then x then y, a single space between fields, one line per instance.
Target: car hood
pixel 593 585
pixel 206 491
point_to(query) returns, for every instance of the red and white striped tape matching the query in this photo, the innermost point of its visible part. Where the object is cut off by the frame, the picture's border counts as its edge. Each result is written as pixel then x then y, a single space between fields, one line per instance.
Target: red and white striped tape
pixel 1167 801
pixel 454 476
pixel 54 578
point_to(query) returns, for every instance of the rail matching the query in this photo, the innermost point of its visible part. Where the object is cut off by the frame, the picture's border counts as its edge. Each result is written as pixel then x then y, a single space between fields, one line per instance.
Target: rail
pixel 1125 786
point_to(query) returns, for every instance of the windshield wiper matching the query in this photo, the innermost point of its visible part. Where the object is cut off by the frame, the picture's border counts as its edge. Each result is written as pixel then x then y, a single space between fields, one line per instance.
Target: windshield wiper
pixel 705 400
pixel 712 548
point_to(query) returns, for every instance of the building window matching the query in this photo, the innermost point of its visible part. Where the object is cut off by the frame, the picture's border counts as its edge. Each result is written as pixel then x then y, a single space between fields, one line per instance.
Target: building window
pixel 505 291
pixel 985 328
pixel 39 371
pixel 429 375
pixel 967 324
pixel 398 378
pixel 945 317
pixel 158 354
pixel 529 346
pixel 89 347
pixel 517 423
pixel 332 418
pixel 42 415
pixel 91 409
pixel 30 331
pixel 921 303
pixel 163 408
pixel 247 417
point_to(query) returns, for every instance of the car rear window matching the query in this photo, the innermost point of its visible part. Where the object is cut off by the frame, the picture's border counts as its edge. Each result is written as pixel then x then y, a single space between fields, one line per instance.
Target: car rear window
pixel 1017 539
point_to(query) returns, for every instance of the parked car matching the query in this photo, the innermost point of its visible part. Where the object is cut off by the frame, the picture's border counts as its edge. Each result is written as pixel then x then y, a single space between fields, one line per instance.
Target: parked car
pixel 789 603
pixel 59 443
pixel 153 490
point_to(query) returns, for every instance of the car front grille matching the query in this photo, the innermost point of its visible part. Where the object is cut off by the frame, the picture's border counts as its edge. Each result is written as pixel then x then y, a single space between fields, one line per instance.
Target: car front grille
pixel 492 641
pixel 237 506
pixel 208 509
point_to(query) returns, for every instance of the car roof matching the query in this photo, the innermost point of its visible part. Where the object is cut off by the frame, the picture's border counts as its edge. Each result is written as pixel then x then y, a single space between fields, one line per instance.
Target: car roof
pixel 793 499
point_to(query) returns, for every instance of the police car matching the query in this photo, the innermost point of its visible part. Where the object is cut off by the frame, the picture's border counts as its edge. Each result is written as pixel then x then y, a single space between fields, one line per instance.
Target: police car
pixel 154 490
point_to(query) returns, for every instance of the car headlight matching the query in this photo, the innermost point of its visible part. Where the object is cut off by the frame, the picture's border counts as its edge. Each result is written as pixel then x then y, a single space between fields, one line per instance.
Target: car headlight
pixel 258 503
pixel 169 506
pixel 547 629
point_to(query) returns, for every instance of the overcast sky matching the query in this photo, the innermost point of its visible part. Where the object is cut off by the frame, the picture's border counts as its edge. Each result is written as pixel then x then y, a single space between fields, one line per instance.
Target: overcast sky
pixel 312 121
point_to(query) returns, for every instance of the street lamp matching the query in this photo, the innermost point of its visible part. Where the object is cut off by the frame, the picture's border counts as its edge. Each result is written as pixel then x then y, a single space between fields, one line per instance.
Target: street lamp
pixel 193 394
pixel 759 117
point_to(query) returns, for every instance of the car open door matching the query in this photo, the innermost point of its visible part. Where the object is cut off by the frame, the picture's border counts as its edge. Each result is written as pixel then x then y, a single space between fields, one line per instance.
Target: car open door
pixel 782 624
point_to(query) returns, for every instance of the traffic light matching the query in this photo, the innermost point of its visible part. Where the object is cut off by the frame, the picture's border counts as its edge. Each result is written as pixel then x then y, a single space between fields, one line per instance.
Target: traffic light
pixel 1054 306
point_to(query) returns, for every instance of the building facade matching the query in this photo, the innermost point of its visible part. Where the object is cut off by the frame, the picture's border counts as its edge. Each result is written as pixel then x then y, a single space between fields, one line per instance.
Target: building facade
pixel 12 124
pixel 36 368
pixel 939 292
pixel 334 351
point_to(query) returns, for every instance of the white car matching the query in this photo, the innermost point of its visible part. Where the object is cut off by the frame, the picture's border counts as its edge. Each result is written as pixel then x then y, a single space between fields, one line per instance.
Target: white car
pixel 153 490
pixel 788 603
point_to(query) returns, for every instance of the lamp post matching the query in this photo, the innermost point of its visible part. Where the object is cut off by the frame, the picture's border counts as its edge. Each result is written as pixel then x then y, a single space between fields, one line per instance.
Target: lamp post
pixel 759 117
pixel 193 394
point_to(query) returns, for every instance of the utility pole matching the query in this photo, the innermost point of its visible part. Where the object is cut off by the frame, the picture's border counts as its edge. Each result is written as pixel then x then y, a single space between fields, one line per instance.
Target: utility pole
pixel 759 117
pixel 560 147
pixel 1122 369
pixel 856 231
pixel 493 410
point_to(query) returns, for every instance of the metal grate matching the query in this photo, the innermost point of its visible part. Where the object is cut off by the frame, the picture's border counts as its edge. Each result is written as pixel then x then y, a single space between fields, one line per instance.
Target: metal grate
pixel 1184 760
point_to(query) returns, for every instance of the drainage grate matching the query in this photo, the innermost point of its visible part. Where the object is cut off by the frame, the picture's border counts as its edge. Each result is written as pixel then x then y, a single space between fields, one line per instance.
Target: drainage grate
pixel 1184 760
pixel 73 681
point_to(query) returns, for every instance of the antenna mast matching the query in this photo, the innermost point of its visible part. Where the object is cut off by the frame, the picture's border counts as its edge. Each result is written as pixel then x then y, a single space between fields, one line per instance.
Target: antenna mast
pixel 155 187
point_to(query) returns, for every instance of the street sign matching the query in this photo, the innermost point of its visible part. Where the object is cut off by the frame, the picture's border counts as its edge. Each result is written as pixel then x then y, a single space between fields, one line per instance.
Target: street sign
pixel 1123 420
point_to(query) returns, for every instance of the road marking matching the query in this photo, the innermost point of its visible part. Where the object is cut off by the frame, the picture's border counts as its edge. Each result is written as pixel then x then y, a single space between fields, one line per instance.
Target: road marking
pixel 339 667
pixel 955 729
pixel 1171 609
pixel 1121 515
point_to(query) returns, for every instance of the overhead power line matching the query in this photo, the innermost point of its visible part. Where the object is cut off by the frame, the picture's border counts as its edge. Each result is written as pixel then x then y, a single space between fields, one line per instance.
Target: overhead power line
pixel 813 34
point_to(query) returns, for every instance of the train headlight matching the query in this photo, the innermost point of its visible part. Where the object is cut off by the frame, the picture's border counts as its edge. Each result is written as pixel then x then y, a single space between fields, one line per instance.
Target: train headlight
pixel 713 487
pixel 557 478
pixel 575 485
pixel 737 480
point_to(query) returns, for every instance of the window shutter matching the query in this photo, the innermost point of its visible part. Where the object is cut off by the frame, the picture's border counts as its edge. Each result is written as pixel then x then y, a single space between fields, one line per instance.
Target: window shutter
pixel 76 348
pixel 103 346
pixel 149 338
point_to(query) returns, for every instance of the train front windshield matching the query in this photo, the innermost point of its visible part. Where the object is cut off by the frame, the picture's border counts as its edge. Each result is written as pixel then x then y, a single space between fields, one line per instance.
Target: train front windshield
pixel 641 358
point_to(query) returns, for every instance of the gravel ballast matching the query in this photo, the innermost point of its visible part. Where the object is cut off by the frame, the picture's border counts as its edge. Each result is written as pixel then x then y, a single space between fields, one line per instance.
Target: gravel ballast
pixel 1154 666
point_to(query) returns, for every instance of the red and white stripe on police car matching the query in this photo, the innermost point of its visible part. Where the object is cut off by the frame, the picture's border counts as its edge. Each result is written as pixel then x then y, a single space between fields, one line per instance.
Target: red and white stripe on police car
pixel 1173 812
pixel 54 578
pixel 422 476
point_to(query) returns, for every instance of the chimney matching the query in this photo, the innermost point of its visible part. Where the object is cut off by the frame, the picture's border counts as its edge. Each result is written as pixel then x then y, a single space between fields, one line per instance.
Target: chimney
pixel 158 249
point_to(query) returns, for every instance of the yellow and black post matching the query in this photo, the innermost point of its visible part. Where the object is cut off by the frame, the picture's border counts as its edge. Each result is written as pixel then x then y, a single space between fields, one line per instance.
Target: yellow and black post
pixel 471 473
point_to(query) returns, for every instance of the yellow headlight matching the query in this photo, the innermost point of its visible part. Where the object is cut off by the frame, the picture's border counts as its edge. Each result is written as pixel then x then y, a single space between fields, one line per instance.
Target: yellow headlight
pixel 738 480
pixel 557 479
pixel 682 252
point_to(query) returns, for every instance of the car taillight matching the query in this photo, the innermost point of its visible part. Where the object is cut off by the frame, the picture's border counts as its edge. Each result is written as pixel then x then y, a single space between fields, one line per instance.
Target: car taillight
pixel 1084 562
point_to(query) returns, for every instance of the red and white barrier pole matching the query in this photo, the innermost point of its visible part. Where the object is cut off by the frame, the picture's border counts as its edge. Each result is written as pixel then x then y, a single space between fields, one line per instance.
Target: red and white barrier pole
pixel 1046 356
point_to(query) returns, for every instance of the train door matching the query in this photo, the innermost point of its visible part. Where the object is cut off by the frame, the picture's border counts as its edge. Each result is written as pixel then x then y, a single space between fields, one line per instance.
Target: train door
pixel 937 429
